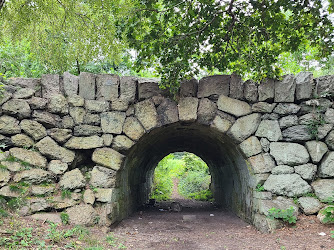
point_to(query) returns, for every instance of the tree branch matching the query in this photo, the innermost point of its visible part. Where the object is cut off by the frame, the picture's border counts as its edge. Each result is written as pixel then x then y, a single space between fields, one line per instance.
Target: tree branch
pixel 2 3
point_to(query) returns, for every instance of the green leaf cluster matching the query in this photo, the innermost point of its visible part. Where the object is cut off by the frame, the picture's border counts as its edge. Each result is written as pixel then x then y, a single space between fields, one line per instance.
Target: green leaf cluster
pixel 284 214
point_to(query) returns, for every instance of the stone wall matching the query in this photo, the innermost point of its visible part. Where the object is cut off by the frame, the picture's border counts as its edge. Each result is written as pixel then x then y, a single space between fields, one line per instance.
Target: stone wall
pixel 73 143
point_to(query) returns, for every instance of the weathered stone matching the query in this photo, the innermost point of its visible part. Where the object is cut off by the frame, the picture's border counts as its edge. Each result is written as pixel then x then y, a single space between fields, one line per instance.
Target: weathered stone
pixel 236 87
pixel 50 85
pixel 329 116
pixel 57 167
pixel 33 176
pixel 148 87
pixel 326 168
pixel 78 114
pixel 133 129
pixel 52 217
pixel 258 179
pixel 112 122
pixel 323 188
pixel 71 84
pixel 146 114
pixel 290 185
pixel 9 125
pixel 76 101
pixel 158 99
pixel 271 116
pixel 286 108
pixel 263 107
pixel 304 85
pixel 269 129
pixel 67 122
pixel 89 197
pixel 250 91
pixel 324 85
pixel 87 85
pixel 59 202
pixel 107 87
pixel 263 195
pixel 251 146
pixel 289 153
pixel 107 213
pixel 22 140
pixel 5 97
pixel 24 93
pixel 128 88
pixel 102 177
pixel 32 83
pixel 206 111
pixel 262 163
pixel 320 104
pixel 130 111
pixel 282 169
pixel 17 107
pixel 104 194
pixel 288 121
pixel 188 109
pixel 58 104
pixel 296 133
pixel 323 130
pixel 12 166
pixel 309 205
pixel 84 142
pixel 265 144
pixel 82 215
pixel 34 129
pixel 94 106
pixel 37 102
pixel 6 192
pixel 108 157
pixel 280 203
pixel 167 112
pixel 316 149
pixel 233 106
pixel 285 89
pixel 51 149
pixel 72 180
pixel 31 157
pixel 244 127
pixel 92 119
pixel 107 139
pixel 119 105
pixel 47 119
pixel 321 215
pixel 214 86
pixel 306 171
pixel 60 135
pixel 4 177
pixel 221 124
pixel 266 90
pixel 308 118
pixel 122 143
pixel 189 88
pixel 42 190
pixel 266 225
pixel 87 130
pixel 330 140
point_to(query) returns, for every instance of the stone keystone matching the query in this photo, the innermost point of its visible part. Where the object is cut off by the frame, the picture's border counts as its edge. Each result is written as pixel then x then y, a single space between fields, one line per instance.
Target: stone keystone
pixel 188 109
pixel 108 157
pixel 233 106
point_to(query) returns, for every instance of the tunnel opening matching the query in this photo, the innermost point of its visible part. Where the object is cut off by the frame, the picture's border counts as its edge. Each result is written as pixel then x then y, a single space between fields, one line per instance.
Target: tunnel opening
pixel 231 179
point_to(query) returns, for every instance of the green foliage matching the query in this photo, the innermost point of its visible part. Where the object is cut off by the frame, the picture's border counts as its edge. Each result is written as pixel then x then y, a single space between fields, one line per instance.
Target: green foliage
pixel 328 212
pixel 16 203
pixel 114 242
pixel 66 194
pixel 57 236
pixel 284 214
pixel 313 125
pixel 2 167
pixel 193 183
pixel 18 239
pixel 64 218
pixel 259 188
pixel 3 212
pixel 332 232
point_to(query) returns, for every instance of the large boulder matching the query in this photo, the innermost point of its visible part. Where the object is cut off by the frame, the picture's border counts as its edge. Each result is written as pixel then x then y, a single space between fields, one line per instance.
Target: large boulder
pixel 290 185
pixel 324 189
pixel 82 215
pixel 233 106
pixel 291 154
pixel 102 177
pixel 269 129
pixel 72 180
pixel 326 168
pixel 108 157
pixel 31 157
pixel 244 127
pixel 146 113
pixel 17 107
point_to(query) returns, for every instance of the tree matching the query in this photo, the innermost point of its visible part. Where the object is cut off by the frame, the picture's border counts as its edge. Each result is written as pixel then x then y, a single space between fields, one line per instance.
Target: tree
pixel 242 36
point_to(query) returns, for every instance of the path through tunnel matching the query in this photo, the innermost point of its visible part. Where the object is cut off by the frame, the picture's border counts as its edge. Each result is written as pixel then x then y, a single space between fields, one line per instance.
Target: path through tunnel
pixel 228 168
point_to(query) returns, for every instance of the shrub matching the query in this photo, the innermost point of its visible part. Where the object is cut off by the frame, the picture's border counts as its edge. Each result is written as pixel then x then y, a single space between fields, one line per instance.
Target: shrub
pixel 284 214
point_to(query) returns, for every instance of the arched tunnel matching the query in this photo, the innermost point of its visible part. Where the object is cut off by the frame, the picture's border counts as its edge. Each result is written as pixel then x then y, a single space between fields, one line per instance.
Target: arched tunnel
pixel 228 168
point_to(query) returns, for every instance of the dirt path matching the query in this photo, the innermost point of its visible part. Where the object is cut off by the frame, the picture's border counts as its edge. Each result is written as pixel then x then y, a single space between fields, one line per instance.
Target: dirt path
pixel 214 228
pixel 175 193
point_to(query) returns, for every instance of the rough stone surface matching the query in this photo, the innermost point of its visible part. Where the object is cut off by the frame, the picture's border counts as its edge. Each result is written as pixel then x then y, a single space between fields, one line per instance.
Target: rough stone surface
pixel 206 111
pixel 265 144
pixel 67 122
pixel 82 215
pixel 32 176
pixel 236 87
pixel 104 194
pixel 266 225
pixel 221 124
pixel 42 189
pixel 323 188
pixel 78 114
pixel 289 153
pixel 37 102
pixel 324 84
pixel 87 85
pixel 50 85
pixel 36 130
pixel 128 87
pixel 31 157
pixel 167 112
pixel 269 129
pixel 76 101
pixel 262 163
pixel 326 168
pixel 286 108
pixel 297 133
pixel 107 86
pixel 306 171
pixel 24 93
pixel 57 167
pixel 321 216
pixel 189 88
pixel 233 106
pixel 251 146
pixel 88 142
pixel 266 90
pixel 122 143
pixel 263 107
pixel 282 169
pixel 188 109
pixel 102 177
pixel 95 106
pixel 316 149
pixel 107 139
pixel 290 185
pixel 285 89
pixel 329 116
pixel 22 140
pixel 89 197
pixel 6 192
pixel 330 140
pixel 146 114
pixel 4 177
pixel 112 122
pixel 17 107
pixel 244 127
pixel 72 180
pixel 108 157
pixel 250 91
pixel 133 129
pixel 279 202
pixel 47 119
pixel 323 130
pixel 9 125
pixel 288 121
pixel 51 149
pixel 310 205
pixel 71 84
pixel 60 135
pixel 213 86
pixel 304 84
pixel 148 87
pixel 92 119
pixel 58 104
